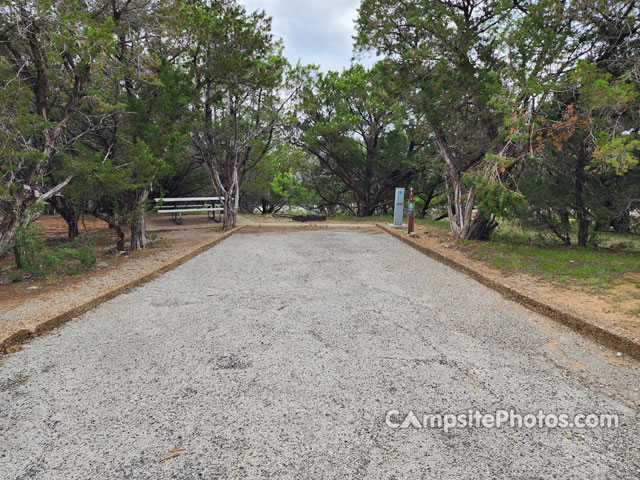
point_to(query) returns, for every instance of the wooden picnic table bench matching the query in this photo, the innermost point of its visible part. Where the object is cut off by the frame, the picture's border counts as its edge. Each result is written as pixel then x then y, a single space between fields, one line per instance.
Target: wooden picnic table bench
pixel 179 205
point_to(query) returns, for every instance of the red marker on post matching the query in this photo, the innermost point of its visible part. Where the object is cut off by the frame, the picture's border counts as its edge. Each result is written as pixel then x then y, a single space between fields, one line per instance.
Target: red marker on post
pixel 410 211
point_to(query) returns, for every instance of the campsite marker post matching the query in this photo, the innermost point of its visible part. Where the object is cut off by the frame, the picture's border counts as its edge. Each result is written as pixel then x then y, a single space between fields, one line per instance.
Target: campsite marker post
pixel 410 212
pixel 398 208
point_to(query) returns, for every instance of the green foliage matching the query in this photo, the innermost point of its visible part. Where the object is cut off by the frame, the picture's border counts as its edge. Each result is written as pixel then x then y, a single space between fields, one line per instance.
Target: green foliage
pixel 352 125
pixel 244 83
pixel 38 259
pixel 535 102
pixel 533 105
pixel 495 200
pixel 619 153
pixel 287 188
pixel 18 121
pixel 277 181
pixel 15 277
pixel 599 90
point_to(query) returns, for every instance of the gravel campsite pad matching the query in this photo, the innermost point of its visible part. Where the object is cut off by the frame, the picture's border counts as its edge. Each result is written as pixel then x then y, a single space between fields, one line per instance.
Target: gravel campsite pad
pixel 279 355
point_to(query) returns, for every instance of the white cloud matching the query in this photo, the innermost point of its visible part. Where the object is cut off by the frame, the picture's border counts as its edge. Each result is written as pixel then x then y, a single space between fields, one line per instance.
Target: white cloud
pixel 313 31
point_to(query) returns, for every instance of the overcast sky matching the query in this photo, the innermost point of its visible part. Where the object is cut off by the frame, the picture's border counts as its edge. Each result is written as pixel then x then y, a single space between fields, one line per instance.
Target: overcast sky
pixel 314 31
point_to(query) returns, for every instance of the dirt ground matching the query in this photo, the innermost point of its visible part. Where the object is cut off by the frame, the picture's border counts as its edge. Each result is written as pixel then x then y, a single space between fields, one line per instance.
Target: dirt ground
pixel 55 232
pixel 34 297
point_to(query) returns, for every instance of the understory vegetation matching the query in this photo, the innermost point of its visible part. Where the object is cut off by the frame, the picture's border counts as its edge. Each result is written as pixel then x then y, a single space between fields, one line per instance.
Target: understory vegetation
pixel 615 261
pixel 34 257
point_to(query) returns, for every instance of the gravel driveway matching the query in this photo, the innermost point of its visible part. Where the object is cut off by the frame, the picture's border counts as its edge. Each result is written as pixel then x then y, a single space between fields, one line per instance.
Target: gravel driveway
pixel 279 355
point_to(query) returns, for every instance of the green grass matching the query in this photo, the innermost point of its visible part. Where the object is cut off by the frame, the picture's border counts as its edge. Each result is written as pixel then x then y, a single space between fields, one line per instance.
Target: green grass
pixel 590 267
pixel 541 254
pixel 440 224
pixel 508 232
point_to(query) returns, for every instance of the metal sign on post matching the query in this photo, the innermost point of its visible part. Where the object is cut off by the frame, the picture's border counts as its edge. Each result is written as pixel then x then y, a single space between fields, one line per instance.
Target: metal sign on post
pixel 398 208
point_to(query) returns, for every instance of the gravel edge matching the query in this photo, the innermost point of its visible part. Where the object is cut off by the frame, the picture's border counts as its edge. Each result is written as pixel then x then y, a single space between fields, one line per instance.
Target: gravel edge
pixel 47 324
pixel 597 329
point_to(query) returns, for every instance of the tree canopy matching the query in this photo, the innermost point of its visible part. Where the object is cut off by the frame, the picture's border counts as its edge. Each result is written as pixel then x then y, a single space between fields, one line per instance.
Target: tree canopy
pixel 523 110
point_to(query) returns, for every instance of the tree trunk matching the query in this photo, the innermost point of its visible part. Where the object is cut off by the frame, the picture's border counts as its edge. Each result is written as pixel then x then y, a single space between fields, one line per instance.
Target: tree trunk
pixel 226 180
pixel 365 210
pixel 481 227
pixel 63 206
pixel 366 203
pixel 138 223
pixel 120 236
pixel 113 225
pixel 72 229
pixel 17 256
pixel 18 215
pixel 583 229
pixel 229 219
pixel 138 233
pixel 427 202
pixel 463 223
pixel 13 218
pixel 231 203
pixel 6 234
pixel 581 211
pixel 266 207
pixel 564 233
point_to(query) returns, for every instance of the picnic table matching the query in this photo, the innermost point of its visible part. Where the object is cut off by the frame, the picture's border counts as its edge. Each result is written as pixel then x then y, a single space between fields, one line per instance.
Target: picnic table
pixel 179 205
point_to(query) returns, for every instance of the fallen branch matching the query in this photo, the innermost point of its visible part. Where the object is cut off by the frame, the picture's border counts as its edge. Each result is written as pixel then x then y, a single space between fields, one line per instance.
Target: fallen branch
pixel 173 455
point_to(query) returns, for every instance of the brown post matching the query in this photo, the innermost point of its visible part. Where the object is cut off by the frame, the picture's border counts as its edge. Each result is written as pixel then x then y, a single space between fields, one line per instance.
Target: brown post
pixel 410 212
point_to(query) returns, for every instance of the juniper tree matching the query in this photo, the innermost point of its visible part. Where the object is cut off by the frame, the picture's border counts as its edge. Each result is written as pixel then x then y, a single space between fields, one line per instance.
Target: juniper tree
pixel 49 53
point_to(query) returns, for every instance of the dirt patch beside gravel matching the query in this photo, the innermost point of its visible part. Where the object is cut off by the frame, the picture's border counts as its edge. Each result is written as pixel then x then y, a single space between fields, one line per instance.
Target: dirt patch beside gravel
pixel 26 311
pixel 588 314
pixel 590 304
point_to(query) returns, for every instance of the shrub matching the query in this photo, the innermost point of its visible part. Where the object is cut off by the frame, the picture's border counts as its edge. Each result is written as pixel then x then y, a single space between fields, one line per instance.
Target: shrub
pixel 35 257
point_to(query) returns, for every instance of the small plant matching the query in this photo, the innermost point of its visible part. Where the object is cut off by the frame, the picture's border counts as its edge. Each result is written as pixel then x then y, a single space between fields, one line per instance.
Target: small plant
pixel 152 240
pixel 77 256
pixel 28 247
pixel 33 256
pixel 595 239
pixel 15 277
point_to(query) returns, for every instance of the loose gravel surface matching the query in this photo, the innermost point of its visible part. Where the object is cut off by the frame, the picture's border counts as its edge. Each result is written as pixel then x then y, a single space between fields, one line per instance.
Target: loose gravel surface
pixel 30 307
pixel 278 355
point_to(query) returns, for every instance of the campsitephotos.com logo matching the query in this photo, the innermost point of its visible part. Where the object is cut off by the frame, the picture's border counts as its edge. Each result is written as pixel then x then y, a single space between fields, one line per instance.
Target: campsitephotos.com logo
pixel 498 419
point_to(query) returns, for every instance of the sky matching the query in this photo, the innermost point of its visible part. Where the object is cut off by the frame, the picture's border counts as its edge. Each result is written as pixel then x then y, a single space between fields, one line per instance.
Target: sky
pixel 314 31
